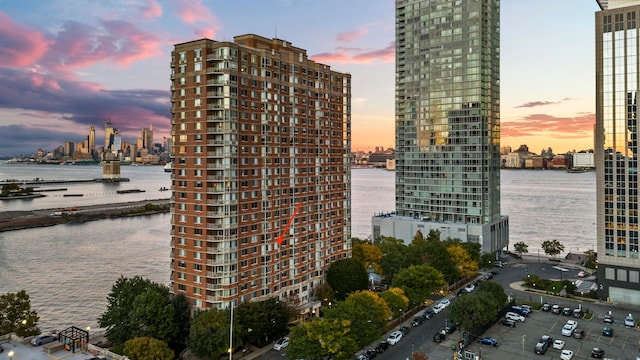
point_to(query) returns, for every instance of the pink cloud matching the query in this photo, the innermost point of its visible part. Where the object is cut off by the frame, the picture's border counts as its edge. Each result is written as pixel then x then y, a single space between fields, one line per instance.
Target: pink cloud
pixel 152 9
pixel 209 33
pixel 192 11
pixel 81 45
pixel 579 126
pixel 21 46
pixel 537 103
pixel 350 36
pixel 357 56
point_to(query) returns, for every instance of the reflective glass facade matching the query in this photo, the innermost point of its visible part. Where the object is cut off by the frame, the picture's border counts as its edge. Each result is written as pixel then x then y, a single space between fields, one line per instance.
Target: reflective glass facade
pixel 448 110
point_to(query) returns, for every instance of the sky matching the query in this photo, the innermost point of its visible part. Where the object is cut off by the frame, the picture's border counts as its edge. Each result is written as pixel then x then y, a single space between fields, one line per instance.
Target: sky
pixel 67 64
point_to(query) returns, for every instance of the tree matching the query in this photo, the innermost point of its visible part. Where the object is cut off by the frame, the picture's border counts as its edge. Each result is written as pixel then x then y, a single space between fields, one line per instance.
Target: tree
pixel 465 264
pixel 146 348
pixel 552 247
pixel 395 299
pixel 260 320
pixel 325 293
pixel 496 290
pixel 138 307
pixel 322 338
pixel 521 248
pixel 368 255
pixel 439 258
pixel 346 276
pixel 16 315
pixel 474 310
pixel 395 255
pixel 418 282
pixel 367 314
pixel 209 333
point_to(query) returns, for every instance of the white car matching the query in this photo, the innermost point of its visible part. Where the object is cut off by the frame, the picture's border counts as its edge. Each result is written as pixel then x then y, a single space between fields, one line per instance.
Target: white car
pixel 281 344
pixel 629 321
pixel 558 344
pixel 567 329
pixel 566 355
pixel 394 337
pixel 513 316
pixel 445 302
pixel 469 288
pixel 437 308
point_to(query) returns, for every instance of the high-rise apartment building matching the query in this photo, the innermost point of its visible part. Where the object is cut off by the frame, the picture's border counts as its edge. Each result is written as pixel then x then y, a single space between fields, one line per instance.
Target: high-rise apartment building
pixel 109 131
pixel 261 178
pixel 147 137
pixel 616 149
pixel 447 123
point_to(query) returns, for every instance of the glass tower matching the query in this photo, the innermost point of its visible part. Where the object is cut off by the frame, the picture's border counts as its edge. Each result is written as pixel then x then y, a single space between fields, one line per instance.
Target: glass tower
pixel 448 120
pixel 616 147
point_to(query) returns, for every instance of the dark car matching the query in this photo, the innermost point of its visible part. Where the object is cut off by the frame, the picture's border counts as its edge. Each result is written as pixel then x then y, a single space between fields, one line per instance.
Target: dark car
pixel 405 330
pixel 566 311
pixel 417 321
pixel 578 333
pixel 608 319
pixel 541 348
pixel 439 337
pixel 546 307
pixel 382 347
pixel 427 314
pixel 597 353
pixel 507 322
pixel 450 328
pixel 370 354
pixel 520 311
pixel 577 313
pixel 488 341
pixel 1 348
pixel 607 331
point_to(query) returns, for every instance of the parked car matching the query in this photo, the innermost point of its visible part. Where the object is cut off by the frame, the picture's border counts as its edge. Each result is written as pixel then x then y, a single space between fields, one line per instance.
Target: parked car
pixel 281 344
pixel 577 313
pixel 394 337
pixel 566 354
pixel 566 311
pixel 427 314
pixel 546 339
pixel 439 337
pixel 437 308
pixel 629 321
pixel 417 321
pixel 582 274
pixel 445 302
pixel 607 331
pixel 541 348
pixel 546 307
pixel 488 341
pixel 508 322
pixel 513 316
pixel 382 346
pixel 405 330
pixel 578 333
pixel 450 328
pixel 555 309
pixel 469 288
pixel 567 329
pixel 558 344
pixel 608 319
pixel 42 339
pixel 1 348
pixel 597 353
pixel 520 310
pixel 370 354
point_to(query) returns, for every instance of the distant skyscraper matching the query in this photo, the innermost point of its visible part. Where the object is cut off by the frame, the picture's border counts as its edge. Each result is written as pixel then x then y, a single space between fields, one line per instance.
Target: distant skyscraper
pixel 447 123
pixel 616 149
pixel 92 138
pixel 261 139
pixel 147 138
pixel 108 135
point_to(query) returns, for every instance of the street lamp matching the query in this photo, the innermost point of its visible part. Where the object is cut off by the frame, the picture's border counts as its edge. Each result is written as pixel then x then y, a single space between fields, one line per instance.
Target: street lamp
pixel 10 354
pixel 412 350
pixel 523 337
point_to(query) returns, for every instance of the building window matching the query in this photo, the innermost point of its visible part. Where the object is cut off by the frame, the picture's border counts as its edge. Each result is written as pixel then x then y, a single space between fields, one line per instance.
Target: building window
pixel 197 66
pixel 610 274
pixel 622 275
pixel 197 79
pixel 182 287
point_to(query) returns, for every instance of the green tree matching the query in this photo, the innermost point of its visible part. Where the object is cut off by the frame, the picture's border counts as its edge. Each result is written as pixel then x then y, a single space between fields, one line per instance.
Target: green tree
pixel 495 290
pixel 138 307
pixel 367 314
pixel 552 247
pixel 395 255
pixel 16 315
pixel 322 338
pixel 209 333
pixel 418 282
pixel 325 293
pixel 346 276
pixel 146 348
pixel 521 248
pixel 259 321
pixel 474 310
pixel 465 265
pixel 439 258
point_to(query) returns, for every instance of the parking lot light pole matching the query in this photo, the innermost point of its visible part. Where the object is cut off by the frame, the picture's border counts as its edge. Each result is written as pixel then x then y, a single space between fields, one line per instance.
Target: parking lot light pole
pixel 523 337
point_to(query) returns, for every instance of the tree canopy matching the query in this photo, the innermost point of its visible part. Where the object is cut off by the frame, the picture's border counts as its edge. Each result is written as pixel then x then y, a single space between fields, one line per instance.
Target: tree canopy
pixel 552 247
pixel 209 334
pixel 418 282
pixel 367 313
pixel 322 338
pixel 146 348
pixel 521 248
pixel 259 321
pixel 16 315
pixel 346 276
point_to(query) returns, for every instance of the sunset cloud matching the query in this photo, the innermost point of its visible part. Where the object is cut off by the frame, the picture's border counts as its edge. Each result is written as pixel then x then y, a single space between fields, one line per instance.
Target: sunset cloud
pixel 579 126
pixel 192 11
pixel 152 9
pixel 357 55
pixel 350 36
pixel 20 45
pixel 537 103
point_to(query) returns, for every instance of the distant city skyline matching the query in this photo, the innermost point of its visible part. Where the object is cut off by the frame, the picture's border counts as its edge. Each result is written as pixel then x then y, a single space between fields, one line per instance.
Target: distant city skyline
pixel 68 67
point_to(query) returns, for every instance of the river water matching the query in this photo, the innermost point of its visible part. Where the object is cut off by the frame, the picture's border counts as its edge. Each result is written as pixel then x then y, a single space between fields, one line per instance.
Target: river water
pixel 68 270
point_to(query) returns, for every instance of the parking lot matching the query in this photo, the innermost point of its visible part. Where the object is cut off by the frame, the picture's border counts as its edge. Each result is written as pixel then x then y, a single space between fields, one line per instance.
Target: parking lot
pixel 519 342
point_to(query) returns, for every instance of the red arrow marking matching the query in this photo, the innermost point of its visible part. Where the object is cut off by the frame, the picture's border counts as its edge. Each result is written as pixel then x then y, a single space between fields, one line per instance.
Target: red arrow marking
pixel 281 237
